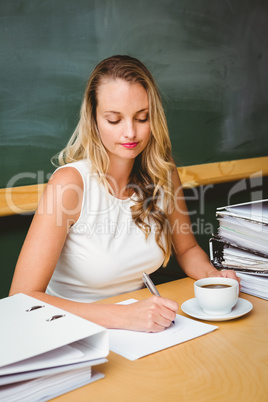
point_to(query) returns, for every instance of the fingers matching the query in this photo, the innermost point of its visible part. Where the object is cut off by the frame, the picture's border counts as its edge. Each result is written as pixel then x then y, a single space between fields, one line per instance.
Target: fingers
pixel 160 313
pixel 229 273
pixel 151 315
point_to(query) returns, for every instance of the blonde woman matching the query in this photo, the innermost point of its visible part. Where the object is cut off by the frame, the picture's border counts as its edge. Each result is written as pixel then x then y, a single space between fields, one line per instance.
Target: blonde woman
pixel 113 209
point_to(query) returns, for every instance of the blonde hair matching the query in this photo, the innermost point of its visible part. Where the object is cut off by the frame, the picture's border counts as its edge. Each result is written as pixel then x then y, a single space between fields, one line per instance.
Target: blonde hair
pixel 152 170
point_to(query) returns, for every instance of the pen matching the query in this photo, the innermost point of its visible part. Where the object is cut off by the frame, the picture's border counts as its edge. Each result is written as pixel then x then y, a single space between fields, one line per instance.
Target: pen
pixel 150 285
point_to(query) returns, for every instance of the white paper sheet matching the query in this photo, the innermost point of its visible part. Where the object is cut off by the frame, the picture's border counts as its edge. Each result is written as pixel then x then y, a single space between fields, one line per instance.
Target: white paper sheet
pixel 134 345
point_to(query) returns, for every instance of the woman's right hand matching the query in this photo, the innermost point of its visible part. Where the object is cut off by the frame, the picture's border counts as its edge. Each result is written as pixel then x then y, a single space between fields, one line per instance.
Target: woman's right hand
pixel 150 315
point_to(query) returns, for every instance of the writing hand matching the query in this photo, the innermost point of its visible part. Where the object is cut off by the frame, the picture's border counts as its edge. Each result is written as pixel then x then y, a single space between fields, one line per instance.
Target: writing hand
pixel 151 315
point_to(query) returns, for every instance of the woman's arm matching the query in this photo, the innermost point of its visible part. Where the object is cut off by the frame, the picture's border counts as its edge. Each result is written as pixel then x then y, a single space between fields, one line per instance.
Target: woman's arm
pixel 58 209
pixel 190 256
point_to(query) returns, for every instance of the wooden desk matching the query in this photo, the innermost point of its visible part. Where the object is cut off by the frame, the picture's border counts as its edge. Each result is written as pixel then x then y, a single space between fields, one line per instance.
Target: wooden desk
pixel 229 364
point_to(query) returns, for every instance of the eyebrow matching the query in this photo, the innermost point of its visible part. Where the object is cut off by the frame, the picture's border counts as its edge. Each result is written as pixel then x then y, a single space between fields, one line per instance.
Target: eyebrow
pixel 139 111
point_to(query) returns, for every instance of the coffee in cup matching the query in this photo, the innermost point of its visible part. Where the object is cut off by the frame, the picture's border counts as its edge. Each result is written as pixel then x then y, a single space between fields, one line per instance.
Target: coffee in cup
pixel 216 295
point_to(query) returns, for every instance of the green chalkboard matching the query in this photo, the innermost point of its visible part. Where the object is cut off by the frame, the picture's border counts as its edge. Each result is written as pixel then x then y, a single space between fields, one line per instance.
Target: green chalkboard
pixel 209 58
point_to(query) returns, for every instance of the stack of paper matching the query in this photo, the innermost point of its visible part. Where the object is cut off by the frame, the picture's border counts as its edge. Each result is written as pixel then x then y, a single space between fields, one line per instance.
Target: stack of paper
pixel 241 243
pixel 46 351
pixel 240 259
pixel 48 387
pixel 255 285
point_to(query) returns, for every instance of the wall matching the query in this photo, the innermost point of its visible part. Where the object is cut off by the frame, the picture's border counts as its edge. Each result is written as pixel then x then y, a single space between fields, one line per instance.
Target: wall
pixel 209 59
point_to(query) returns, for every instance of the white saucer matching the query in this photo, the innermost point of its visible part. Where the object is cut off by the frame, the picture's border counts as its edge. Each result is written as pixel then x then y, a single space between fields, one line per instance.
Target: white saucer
pixel 192 308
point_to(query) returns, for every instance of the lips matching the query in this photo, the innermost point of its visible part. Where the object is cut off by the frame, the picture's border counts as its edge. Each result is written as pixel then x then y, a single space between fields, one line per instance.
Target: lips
pixel 129 145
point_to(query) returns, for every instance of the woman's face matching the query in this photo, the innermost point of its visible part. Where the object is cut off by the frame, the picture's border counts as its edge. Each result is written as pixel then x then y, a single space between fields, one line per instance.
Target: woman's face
pixel 123 118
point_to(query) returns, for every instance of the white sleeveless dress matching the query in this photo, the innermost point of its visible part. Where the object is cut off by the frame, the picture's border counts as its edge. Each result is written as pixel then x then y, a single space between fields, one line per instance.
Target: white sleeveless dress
pixel 105 253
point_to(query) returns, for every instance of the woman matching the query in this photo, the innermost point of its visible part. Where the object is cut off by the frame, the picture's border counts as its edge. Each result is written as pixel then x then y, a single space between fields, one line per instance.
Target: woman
pixel 113 209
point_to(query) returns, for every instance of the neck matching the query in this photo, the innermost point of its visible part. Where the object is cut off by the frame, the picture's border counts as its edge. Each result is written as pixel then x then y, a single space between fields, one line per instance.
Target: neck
pixel 118 177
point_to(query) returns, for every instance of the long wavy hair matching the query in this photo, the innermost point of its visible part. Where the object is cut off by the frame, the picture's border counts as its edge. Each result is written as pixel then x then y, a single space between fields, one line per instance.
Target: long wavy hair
pixel 152 171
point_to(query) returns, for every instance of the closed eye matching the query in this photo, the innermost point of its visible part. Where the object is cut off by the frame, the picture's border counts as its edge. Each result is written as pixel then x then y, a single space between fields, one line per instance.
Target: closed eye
pixel 113 122
pixel 142 120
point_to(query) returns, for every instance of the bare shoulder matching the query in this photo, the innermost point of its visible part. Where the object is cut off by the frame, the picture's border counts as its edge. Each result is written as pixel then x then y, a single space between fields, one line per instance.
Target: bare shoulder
pixel 67 176
pixel 63 194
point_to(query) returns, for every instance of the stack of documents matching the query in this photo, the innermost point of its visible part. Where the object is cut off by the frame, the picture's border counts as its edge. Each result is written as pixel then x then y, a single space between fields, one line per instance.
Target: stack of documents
pixel 255 285
pixel 46 351
pixel 241 243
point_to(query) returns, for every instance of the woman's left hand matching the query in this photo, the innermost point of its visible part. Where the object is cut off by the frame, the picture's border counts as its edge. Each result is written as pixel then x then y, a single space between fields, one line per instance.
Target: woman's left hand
pixel 226 273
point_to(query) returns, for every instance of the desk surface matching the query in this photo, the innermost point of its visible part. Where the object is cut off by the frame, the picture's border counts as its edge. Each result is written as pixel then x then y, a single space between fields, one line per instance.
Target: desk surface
pixel 229 364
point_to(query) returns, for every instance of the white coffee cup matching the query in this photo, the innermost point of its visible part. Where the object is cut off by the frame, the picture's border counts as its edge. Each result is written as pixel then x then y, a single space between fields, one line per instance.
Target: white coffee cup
pixel 216 296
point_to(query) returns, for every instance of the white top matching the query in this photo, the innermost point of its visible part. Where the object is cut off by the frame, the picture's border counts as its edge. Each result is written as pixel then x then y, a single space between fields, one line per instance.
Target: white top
pixel 105 253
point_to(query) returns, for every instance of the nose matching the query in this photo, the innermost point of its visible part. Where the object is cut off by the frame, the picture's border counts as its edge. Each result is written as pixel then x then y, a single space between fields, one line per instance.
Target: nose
pixel 129 130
